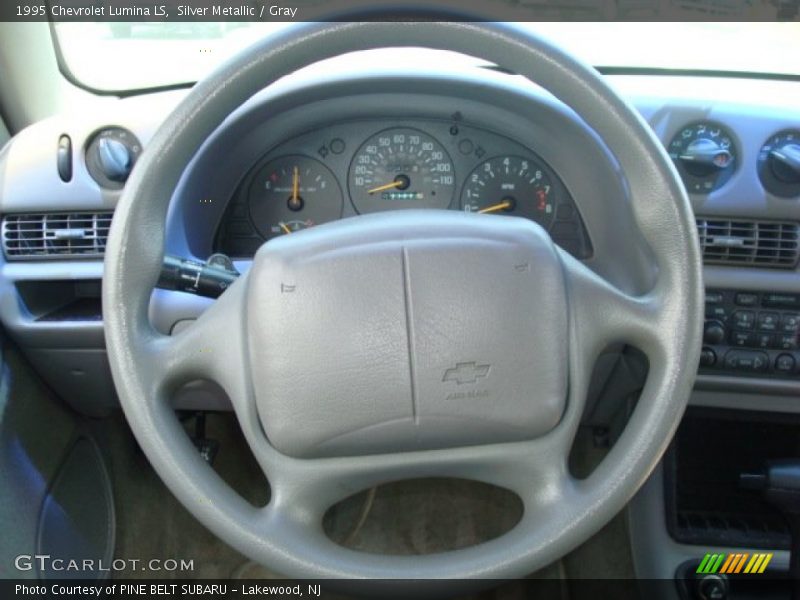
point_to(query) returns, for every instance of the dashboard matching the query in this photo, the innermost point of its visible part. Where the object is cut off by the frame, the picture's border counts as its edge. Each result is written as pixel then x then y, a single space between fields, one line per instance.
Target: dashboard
pixel 336 143
pixel 367 166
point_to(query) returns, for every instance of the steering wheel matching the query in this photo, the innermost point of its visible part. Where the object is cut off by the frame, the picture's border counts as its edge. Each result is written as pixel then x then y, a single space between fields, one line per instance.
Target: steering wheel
pixel 398 363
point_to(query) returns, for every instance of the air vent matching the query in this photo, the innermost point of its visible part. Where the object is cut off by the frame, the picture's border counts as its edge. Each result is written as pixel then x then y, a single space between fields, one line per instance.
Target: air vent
pixel 56 235
pixel 749 243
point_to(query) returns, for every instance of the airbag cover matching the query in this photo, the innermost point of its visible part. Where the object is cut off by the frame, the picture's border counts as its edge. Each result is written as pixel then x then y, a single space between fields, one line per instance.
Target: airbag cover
pixel 406 331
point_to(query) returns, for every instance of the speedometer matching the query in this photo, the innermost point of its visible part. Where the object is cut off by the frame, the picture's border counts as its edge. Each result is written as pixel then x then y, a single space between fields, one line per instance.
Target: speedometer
pixel 401 168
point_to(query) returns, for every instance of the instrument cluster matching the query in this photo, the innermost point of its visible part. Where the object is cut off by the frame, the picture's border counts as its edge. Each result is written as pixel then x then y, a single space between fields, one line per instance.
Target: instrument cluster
pixel 370 166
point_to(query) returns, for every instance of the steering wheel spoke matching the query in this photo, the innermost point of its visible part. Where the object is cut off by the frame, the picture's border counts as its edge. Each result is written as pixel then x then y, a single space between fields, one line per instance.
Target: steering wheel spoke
pixel 211 348
pixel 516 466
pixel 602 314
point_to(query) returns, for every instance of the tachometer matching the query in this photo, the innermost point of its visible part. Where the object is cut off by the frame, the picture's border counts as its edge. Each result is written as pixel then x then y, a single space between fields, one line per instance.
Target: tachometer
pixel 401 168
pixel 291 193
pixel 510 185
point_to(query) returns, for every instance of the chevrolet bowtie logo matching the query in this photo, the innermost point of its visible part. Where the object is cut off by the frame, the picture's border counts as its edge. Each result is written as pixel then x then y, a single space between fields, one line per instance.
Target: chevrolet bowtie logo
pixel 467 372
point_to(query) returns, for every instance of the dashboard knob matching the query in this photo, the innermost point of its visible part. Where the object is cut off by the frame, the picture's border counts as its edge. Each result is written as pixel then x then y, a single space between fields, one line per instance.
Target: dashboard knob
pixel 111 154
pixel 708 358
pixel 712 587
pixel 779 164
pixel 785 163
pixel 714 332
pixel 115 159
pixel 704 156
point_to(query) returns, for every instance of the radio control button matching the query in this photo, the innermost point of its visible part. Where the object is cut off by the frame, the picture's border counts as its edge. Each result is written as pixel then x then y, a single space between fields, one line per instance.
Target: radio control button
pixel 717 312
pixel 777 300
pixel 743 338
pixel 785 363
pixel 768 321
pixel 746 299
pixel 708 358
pixel 765 340
pixel 744 319
pixel 713 332
pixel 790 322
pixel 746 360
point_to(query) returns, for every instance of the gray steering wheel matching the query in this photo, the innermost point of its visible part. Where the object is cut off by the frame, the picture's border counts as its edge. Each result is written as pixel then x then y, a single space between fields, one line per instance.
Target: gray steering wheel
pixel 380 303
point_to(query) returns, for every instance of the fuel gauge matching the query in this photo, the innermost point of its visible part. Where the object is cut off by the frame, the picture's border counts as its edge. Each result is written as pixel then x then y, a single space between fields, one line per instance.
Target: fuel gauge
pixel 291 226
pixel 291 193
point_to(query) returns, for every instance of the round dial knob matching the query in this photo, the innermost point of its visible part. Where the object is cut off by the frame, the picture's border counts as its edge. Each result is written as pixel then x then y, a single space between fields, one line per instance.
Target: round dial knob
pixel 714 332
pixel 708 358
pixel 110 156
pixel 705 156
pixel 115 159
pixel 779 164
pixel 712 587
pixel 785 163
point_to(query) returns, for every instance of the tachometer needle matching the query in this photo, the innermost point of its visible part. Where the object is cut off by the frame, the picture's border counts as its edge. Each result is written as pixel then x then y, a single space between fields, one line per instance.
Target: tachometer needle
pixel 496 207
pixel 284 227
pixel 396 183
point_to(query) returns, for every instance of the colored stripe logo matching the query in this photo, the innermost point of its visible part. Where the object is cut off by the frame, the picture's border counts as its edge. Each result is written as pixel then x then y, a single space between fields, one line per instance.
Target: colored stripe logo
pixel 734 563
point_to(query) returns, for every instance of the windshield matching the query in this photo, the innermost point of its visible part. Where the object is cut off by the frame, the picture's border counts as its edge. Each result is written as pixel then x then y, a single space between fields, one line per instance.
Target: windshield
pixel 132 56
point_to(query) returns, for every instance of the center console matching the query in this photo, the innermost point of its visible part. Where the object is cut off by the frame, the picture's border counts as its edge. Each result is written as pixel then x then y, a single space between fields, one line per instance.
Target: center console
pixel 743 414
pixel 751 333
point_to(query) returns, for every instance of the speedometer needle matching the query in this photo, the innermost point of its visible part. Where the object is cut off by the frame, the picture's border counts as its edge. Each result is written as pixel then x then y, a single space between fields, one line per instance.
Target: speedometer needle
pixel 496 207
pixel 396 183
pixel 284 227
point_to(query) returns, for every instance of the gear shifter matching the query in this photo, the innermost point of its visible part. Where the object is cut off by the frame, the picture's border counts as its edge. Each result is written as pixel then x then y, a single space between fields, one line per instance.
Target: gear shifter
pixel 780 485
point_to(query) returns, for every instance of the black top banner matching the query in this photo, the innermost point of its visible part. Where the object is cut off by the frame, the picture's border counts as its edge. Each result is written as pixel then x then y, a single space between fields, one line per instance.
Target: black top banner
pixel 180 11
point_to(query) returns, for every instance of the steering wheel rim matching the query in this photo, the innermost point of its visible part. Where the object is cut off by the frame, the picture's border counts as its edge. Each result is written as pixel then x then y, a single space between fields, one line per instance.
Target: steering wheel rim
pixel 287 535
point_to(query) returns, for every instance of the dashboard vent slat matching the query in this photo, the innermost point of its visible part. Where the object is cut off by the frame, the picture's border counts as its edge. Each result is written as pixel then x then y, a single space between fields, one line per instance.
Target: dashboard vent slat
pixel 55 235
pixel 749 243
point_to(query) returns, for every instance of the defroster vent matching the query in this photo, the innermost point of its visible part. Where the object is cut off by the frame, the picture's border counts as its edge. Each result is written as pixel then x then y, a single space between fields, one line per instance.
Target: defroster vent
pixel 749 243
pixel 55 235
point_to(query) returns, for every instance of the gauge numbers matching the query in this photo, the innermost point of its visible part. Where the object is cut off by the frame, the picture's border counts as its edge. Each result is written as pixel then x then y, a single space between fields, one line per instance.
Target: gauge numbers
pixel 401 168
pixel 510 185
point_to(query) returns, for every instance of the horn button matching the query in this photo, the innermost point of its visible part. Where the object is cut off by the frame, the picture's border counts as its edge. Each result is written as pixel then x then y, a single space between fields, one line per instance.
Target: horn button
pixel 407 331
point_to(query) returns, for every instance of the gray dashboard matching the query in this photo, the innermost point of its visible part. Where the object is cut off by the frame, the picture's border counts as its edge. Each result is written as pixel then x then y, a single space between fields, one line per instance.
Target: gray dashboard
pixel 496 112
pixel 493 113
